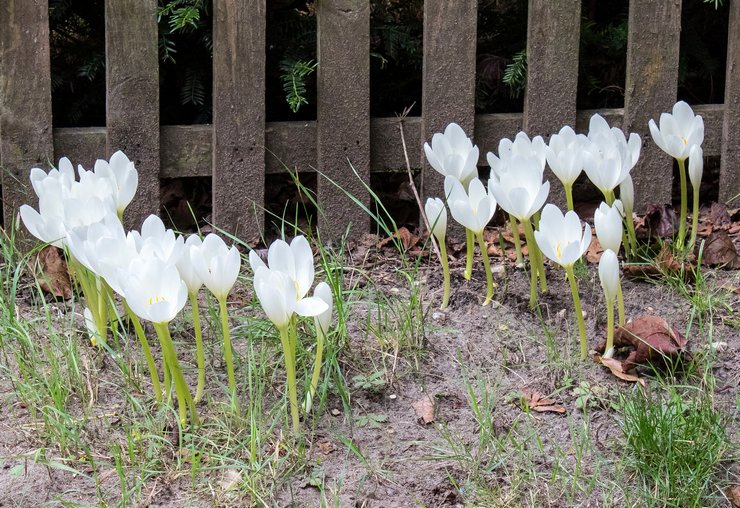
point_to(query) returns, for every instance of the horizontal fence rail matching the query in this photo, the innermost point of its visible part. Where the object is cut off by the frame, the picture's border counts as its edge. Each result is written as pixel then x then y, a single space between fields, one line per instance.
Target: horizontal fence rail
pixel 345 144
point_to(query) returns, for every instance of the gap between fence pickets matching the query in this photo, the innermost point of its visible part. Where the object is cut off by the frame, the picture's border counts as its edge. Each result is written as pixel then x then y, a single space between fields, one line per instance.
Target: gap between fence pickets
pixel 411 181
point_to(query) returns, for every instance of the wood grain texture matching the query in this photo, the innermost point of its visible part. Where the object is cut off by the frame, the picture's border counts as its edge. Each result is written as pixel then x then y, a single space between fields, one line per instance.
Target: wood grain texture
pixel 553 37
pixel 729 180
pixel 239 115
pixel 132 88
pixel 343 114
pixel 650 89
pixel 448 76
pixel 25 99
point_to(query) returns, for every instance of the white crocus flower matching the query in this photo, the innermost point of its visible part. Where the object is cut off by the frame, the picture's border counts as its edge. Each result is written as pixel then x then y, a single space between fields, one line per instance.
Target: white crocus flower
pixel 216 264
pixel 609 278
pixel 453 154
pixel 609 156
pixel 679 131
pixel 608 224
pixel 565 158
pixel 157 240
pixel 123 178
pixel 57 179
pixel 522 146
pixel 436 213
pixel 520 190
pixel 561 237
pixel 185 265
pixel 696 166
pixel 609 274
pixel 294 260
pixel 473 209
pixel 153 289
pixel 277 295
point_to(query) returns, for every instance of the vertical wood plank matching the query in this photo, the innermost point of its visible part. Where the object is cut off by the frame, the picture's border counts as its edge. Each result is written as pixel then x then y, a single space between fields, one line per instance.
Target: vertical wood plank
pixel 650 89
pixel 729 179
pixel 132 100
pixel 25 99
pixel 239 115
pixel 343 113
pixel 448 76
pixel 553 37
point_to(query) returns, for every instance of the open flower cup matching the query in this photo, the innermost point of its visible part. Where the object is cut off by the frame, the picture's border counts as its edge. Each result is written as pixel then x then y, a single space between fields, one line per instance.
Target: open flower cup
pixel 562 239
pixel 676 134
pixel 281 287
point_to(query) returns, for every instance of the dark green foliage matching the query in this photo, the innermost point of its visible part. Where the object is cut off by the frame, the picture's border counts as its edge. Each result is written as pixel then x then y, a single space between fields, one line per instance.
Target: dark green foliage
pixel 515 75
pixel 185 49
pixel 294 74
pixel 77 62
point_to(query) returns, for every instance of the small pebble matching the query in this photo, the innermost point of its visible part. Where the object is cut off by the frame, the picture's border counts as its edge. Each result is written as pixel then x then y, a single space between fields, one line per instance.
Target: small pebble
pixel 335 412
pixel 392 396
pixel 439 316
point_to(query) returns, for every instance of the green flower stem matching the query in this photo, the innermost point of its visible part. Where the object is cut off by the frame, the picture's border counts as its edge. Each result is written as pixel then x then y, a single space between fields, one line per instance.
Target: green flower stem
pixel 620 303
pixel 320 336
pixel 609 350
pixel 529 236
pixel 534 249
pixel 609 197
pixel 470 243
pixel 200 354
pixel 184 399
pixel 517 242
pixel 569 196
pixel 631 235
pixel 102 301
pixel 153 372
pixel 445 273
pixel 684 198
pixel 694 220
pixel 167 379
pixel 228 356
pixel 487 267
pixel 289 353
pixel 579 311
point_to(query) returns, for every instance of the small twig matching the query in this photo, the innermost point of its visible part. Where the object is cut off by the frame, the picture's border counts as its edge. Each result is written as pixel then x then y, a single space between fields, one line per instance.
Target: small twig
pixel 411 180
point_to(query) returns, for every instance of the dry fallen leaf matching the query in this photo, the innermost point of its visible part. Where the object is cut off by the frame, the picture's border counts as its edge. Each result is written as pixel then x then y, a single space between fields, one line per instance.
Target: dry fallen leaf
pixel 408 239
pixel 535 401
pixel 424 408
pixel 733 494
pixel 52 275
pixel 650 337
pixel 661 221
pixel 616 367
pixel 593 254
pixel 720 251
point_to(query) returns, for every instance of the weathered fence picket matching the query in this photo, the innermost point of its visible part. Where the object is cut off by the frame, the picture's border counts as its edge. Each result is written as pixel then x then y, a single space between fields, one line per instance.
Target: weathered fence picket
pixel 239 115
pixel 343 113
pixel 729 180
pixel 25 98
pixel 654 30
pixel 448 76
pixel 240 148
pixel 132 96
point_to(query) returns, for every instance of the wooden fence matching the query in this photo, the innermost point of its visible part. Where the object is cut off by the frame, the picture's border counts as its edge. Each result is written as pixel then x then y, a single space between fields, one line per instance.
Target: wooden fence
pixel 236 150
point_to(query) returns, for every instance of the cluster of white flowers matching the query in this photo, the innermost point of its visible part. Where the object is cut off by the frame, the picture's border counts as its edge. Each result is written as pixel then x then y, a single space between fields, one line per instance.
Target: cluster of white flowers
pixel 517 185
